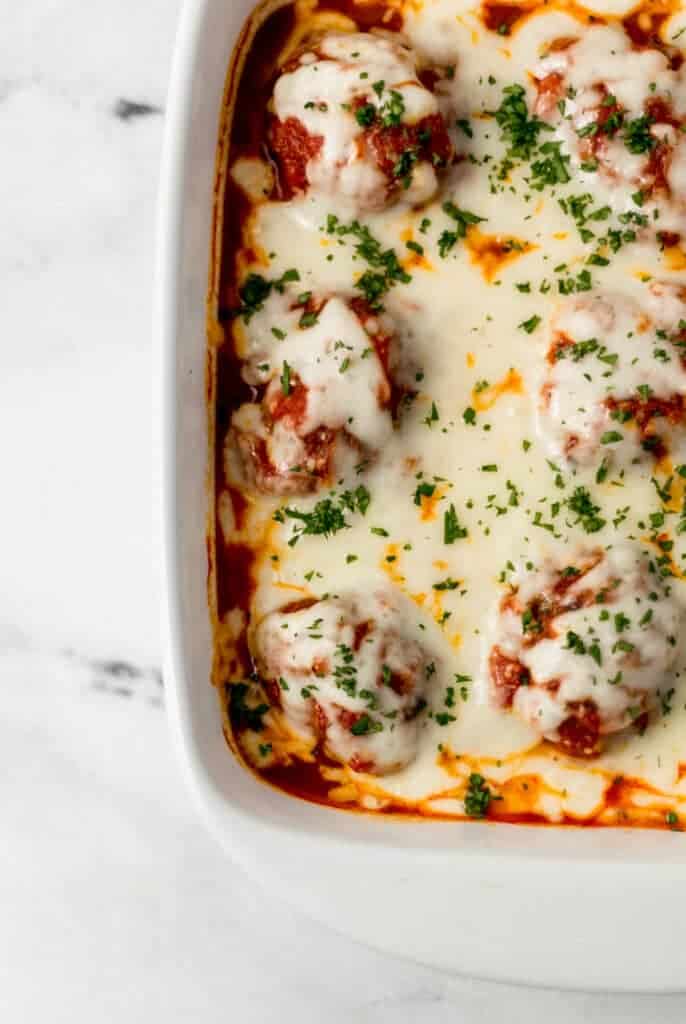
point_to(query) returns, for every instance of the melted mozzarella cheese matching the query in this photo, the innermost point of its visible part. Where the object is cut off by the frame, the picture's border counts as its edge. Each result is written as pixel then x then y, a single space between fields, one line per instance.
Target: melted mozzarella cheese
pixel 340 368
pixel 345 391
pixel 284 446
pixel 320 92
pixel 625 643
pixel 335 360
pixel 604 53
pixel 614 353
pixel 604 56
pixel 315 657
pixel 472 440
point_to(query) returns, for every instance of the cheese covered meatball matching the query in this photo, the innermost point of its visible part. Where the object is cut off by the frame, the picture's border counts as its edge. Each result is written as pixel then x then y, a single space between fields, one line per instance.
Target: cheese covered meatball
pixel 347 674
pixel 615 378
pixel 352 121
pixel 328 377
pixel 582 648
pixel 621 110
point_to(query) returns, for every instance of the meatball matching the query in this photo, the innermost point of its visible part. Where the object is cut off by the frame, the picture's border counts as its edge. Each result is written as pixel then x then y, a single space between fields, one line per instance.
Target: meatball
pixel 346 674
pixel 581 648
pixel 621 110
pixel 614 387
pixel 353 122
pixel 328 377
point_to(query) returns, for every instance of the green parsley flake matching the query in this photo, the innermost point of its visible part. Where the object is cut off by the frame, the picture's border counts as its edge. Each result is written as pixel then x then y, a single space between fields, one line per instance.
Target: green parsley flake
pixel 328 515
pixel 478 797
pixel 285 379
pixel 387 270
pixel 256 289
pixel 365 725
pixel 530 325
pixel 452 530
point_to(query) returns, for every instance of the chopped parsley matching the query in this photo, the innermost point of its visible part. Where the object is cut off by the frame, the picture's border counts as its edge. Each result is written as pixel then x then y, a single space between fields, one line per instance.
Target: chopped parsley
pixel 574 643
pixel 446 241
pixel 463 219
pixel 578 350
pixel 433 416
pixel 345 673
pixel 392 109
pixel 255 291
pixel 244 715
pixel 285 379
pixel 365 725
pixel 448 584
pixel 637 135
pixel 478 796
pixel 402 168
pixel 365 115
pixel 581 283
pixel 462 681
pixel 388 113
pixel 452 530
pixel 423 490
pixel 521 134
pixel 327 517
pixel 602 471
pixel 357 500
pixel 530 624
pixel 551 169
pixel 581 503
pixel 517 129
pixel 530 325
pixel 387 270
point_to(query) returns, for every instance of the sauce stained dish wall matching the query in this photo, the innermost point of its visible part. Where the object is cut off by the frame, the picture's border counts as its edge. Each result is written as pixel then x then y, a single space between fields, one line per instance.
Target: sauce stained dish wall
pixel 447 394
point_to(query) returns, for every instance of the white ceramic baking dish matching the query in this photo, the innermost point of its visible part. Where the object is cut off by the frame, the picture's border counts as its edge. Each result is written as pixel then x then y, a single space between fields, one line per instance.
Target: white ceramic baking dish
pixel 581 908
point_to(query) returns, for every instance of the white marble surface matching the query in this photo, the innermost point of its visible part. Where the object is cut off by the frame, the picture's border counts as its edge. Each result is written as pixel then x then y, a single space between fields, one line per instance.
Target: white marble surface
pixel 115 906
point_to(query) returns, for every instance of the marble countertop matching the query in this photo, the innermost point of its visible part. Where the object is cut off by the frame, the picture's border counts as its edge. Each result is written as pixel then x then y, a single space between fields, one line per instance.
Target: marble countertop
pixel 117 907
